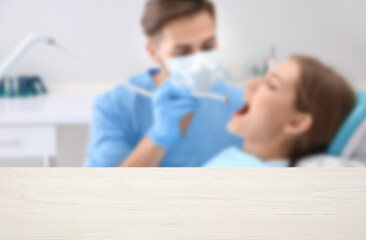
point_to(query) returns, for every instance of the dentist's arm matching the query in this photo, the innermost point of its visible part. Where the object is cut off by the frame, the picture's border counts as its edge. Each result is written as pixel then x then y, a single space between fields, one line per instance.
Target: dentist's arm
pixel 170 104
pixel 146 154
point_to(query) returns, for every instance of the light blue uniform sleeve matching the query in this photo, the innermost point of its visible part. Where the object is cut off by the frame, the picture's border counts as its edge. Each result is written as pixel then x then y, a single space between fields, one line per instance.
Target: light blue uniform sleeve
pixel 109 141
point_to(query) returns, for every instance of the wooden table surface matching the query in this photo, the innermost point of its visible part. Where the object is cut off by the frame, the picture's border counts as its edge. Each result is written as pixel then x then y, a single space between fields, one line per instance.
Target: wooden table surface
pixel 258 204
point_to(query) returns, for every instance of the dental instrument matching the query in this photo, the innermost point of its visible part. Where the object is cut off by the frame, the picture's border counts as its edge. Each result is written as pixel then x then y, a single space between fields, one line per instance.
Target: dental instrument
pixel 21 51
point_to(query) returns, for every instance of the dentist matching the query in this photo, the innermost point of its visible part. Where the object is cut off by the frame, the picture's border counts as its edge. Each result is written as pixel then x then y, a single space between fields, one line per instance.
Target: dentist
pixel 173 129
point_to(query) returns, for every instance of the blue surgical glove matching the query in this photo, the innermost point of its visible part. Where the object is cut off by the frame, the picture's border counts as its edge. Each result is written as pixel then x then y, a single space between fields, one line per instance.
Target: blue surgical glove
pixel 170 104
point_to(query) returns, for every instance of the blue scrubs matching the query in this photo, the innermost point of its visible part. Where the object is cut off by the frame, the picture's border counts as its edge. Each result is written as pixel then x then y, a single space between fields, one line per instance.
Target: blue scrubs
pixel 122 118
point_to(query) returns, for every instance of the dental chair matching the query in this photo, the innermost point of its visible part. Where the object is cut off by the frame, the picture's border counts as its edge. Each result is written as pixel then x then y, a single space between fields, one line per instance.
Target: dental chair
pixel 350 141
pixel 348 148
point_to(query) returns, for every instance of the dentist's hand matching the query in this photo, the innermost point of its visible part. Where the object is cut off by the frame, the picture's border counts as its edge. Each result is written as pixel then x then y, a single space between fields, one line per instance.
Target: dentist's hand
pixel 170 104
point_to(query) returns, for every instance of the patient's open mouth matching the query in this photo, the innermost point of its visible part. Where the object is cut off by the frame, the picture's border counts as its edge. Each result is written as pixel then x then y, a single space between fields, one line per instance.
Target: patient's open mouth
pixel 244 110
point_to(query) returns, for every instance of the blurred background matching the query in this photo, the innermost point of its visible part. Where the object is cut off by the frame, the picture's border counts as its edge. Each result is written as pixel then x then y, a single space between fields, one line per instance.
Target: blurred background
pixel 108 34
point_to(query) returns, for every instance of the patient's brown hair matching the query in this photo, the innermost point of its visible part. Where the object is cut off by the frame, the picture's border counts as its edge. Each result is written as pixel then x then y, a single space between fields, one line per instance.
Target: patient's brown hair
pixel 158 13
pixel 328 97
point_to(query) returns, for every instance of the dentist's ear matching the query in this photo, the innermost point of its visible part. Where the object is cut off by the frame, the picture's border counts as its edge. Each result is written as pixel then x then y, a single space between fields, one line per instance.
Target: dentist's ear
pixel 299 124
pixel 152 52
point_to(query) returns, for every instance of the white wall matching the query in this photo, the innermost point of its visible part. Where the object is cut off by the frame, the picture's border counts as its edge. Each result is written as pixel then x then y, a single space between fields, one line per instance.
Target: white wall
pixel 105 32
pixel 108 33
pixel 333 30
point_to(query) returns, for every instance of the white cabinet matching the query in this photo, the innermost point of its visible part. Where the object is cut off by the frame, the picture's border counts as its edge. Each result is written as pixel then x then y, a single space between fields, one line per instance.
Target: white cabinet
pixel 30 128
pixel 24 142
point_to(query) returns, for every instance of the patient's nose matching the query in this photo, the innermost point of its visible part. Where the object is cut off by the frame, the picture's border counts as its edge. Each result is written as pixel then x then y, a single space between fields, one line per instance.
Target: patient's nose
pixel 250 88
pixel 252 85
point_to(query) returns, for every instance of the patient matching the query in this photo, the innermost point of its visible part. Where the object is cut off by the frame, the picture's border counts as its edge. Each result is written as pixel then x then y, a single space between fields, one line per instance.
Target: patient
pixel 292 113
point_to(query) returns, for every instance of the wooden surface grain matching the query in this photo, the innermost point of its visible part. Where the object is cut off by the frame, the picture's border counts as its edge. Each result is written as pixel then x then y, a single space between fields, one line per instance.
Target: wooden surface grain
pixel 258 204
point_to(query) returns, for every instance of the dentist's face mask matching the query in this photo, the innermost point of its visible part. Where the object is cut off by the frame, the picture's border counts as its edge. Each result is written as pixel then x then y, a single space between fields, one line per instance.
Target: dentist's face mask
pixel 197 72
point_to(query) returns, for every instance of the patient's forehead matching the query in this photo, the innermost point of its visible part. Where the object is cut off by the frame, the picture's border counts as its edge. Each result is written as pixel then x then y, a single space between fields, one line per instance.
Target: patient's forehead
pixel 288 71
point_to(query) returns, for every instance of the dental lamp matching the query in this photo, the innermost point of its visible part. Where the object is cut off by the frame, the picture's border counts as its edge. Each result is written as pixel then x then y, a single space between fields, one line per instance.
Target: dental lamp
pixel 21 51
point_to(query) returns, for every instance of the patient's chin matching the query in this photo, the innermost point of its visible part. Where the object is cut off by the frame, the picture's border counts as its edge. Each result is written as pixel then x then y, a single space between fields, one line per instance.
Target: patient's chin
pixel 231 126
pixel 235 128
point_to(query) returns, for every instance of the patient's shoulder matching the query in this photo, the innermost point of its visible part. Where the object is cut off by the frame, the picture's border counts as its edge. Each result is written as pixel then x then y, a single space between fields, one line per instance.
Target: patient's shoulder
pixel 328 161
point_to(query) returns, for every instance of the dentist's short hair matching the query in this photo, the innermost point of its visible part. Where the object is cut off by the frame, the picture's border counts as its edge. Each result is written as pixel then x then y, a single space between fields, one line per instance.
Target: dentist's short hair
pixel 158 13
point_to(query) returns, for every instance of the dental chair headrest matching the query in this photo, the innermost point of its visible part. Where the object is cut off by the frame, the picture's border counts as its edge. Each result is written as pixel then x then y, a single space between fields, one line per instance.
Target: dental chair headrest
pixel 349 127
